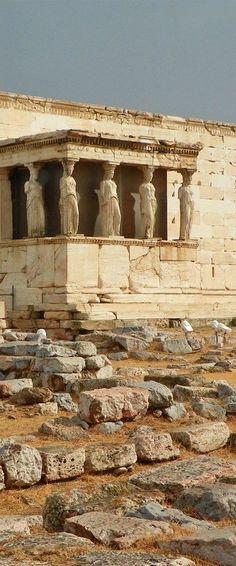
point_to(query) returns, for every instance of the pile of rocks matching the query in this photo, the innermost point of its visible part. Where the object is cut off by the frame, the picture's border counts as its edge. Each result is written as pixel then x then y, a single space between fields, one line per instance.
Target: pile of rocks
pixel 163 425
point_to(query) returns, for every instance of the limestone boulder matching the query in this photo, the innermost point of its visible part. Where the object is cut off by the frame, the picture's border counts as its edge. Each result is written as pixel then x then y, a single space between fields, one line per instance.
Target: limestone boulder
pixel 131 343
pixel 115 404
pixel 22 464
pixel 187 393
pixel 104 372
pixel 65 402
pixel 230 405
pixel 173 477
pixel 2 479
pixel 36 545
pixel 50 408
pixel 225 389
pixel 151 446
pixel 97 362
pixel 61 365
pixel 176 346
pixel 153 511
pixel 202 438
pixel 62 463
pixel 132 559
pixel 53 351
pixel 176 412
pixel 59 382
pixel 14 524
pixel 85 349
pixel 62 429
pixel 218 546
pixel 59 505
pixel 108 529
pixel 160 396
pixel 104 457
pixel 209 409
pixel 31 396
pixel 211 502
pixel 11 386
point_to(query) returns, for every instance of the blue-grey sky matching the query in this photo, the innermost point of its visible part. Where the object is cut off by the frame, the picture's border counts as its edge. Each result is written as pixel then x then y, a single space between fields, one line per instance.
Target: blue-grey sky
pixel 165 56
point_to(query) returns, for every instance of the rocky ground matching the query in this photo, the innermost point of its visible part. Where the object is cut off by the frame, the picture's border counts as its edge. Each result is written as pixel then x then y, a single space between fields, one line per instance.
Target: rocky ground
pixel 118 447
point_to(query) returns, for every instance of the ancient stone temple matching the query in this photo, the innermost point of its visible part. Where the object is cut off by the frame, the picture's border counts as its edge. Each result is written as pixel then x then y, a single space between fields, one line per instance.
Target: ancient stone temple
pixel 113 215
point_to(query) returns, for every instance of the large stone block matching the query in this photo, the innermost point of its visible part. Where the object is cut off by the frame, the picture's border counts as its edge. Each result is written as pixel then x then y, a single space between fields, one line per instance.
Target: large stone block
pixel 108 529
pixel 82 264
pixel 173 477
pixel 170 253
pixel 22 464
pixel 113 266
pixel 101 405
pixel 40 265
pixel 153 447
pixel 203 438
pixel 145 267
pixel 105 457
pixel 62 463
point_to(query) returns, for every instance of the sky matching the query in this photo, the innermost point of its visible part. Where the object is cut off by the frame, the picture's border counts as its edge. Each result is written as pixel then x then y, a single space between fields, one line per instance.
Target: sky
pixel 175 57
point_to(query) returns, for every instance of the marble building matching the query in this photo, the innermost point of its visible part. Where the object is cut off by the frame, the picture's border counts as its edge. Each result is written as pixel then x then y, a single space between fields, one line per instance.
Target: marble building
pixel 109 215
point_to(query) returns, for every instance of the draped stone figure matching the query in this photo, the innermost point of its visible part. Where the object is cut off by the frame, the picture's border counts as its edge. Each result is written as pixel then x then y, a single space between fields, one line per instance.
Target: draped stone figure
pixel 34 204
pixel 68 203
pixel 148 203
pixel 185 195
pixel 109 203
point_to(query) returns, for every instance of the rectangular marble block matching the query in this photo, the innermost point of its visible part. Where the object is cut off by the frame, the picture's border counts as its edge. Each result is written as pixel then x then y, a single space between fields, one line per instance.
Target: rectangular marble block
pixel 82 264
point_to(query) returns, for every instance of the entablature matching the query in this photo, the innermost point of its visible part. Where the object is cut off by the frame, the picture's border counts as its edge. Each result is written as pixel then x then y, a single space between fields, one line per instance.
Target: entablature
pixel 79 144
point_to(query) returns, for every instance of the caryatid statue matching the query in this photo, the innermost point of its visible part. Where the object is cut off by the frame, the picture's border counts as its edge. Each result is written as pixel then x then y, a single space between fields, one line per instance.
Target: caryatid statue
pixel 185 195
pixel 109 203
pixel 148 202
pixel 34 203
pixel 68 203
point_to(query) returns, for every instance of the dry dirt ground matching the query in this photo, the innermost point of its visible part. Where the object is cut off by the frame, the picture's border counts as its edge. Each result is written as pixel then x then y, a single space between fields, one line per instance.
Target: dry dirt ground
pixel 25 421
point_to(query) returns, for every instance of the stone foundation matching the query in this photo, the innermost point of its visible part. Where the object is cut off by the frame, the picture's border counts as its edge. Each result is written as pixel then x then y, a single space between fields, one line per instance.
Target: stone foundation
pixel 68 284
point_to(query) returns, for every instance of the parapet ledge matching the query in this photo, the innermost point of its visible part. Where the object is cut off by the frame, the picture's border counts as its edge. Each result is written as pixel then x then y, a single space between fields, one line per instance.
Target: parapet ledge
pixel 80 240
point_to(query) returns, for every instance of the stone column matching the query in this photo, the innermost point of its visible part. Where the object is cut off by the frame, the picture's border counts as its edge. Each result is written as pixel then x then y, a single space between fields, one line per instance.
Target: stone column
pixel 148 202
pixel 69 209
pixel 6 223
pixel 108 202
pixel 34 203
pixel 185 195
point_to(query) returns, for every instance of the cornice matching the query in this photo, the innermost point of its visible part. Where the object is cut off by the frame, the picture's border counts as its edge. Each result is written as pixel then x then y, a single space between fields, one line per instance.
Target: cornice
pixel 123 116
